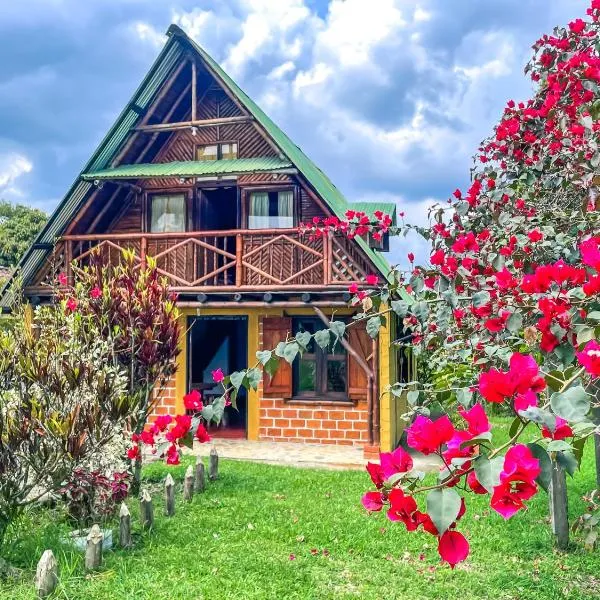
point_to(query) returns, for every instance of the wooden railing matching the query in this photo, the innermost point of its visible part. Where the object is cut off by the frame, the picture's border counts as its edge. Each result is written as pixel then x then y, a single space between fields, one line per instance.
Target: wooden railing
pixel 235 259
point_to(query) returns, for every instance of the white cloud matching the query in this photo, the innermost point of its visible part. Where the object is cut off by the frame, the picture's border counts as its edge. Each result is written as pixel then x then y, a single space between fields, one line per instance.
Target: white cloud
pixel 147 33
pixel 12 166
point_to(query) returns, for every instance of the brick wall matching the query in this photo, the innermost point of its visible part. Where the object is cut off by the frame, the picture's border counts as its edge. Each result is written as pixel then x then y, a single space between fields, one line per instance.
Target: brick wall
pixel 166 398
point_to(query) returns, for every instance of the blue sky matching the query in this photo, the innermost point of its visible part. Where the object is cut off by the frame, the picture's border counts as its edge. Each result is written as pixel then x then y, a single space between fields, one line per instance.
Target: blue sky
pixel 389 97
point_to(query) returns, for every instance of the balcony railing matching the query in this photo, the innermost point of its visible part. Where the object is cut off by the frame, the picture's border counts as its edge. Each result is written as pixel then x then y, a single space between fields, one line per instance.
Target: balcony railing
pixel 242 259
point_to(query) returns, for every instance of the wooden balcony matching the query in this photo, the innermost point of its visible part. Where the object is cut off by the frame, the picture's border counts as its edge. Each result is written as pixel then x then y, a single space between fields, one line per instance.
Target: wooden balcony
pixel 237 260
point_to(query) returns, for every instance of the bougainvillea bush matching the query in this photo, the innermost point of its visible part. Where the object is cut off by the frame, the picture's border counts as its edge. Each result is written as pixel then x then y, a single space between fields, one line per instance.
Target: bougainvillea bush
pixel 509 301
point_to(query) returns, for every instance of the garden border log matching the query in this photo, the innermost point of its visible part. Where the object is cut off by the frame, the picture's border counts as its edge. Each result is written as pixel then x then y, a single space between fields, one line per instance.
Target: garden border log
pixel 124 526
pixel 200 476
pixel 93 549
pixel 188 484
pixel 146 509
pixel 46 574
pixel 169 495
pixel 213 464
pixel 559 512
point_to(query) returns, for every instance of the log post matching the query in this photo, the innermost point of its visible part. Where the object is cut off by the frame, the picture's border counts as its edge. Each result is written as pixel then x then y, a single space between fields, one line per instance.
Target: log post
pixel 188 484
pixel 68 260
pixel 169 496
pixel 146 510
pixel 559 506
pixel 93 550
pixel 143 252
pixel 124 527
pixel 200 478
pixel 239 251
pixel 46 574
pixel 213 465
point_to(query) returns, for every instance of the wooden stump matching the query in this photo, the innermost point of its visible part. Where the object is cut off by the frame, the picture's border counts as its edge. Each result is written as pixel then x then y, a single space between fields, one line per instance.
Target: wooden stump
pixel 169 496
pixel 46 574
pixel 559 506
pixel 124 527
pixel 146 510
pixel 213 465
pixel 93 551
pixel 200 478
pixel 188 484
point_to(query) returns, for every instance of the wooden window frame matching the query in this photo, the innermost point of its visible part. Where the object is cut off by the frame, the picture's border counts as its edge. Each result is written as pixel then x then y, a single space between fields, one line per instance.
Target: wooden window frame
pixel 268 188
pixel 188 194
pixel 218 145
pixel 321 394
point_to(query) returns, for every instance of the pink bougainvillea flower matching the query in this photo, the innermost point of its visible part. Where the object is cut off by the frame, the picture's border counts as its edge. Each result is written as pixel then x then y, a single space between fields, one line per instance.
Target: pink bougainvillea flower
pixel 524 401
pixel 453 547
pixel 133 452
pixel 193 401
pixel 398 461
pixel 403 508
pixel 95 293
pixel 561 431
pixel 217 375
pixel 162 422
pixel 590 252
pixel 474 484
pixel 476 418
pixel 453 447
pixel 180 428
pixel 172 455
pixel 376 473
pixel 589 358
pixel 411 257
pixel 505 503
pixel 372 279
pixel 147 437
pixel 202 435
pixel 62 279
pixel 71 305
pixel 372 501
pixel 519 462
pixel 426 436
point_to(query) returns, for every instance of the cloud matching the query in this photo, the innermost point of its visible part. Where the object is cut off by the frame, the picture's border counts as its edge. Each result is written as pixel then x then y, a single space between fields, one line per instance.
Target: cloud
pixel 12 167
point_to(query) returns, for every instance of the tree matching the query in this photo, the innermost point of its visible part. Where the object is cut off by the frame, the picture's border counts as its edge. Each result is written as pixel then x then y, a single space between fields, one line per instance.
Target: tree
pixel 19 225
pixel 511 293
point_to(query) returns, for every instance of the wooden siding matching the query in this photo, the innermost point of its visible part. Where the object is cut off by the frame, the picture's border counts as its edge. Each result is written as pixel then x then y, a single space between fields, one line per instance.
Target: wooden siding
pixel 130 221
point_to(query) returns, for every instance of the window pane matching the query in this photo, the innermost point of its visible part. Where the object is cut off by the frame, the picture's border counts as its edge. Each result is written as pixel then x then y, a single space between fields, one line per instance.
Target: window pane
pixel 271 211
pixel 209 152
pixel 258 217
pixel 167 214
pixel 229 151
pixel 336 375
pixel 285 209
pixel 307 378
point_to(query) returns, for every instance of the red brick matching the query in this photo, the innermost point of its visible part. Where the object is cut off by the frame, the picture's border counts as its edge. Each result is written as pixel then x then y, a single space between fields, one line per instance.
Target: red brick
pixel 288 413
pixel 314 423
pixel 289 433
pixel 305 433
pixel 266 423
pixel 353 435
pixel 360 425
pixel 328 424
pixel 298 423
pixel 273 431
pixel 336 414
pixel 282 423
pixel 321 414
pixel 336 435
pixel 344 425
pixel 305 414
pixel 322 433
pixel 352 415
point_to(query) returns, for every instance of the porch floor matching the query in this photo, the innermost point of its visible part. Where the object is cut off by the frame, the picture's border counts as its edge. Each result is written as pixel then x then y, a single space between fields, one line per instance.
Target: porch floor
pixel 293 454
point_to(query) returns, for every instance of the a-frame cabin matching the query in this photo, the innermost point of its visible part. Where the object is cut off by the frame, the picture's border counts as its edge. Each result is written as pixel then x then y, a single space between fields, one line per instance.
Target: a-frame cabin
pixel 196 175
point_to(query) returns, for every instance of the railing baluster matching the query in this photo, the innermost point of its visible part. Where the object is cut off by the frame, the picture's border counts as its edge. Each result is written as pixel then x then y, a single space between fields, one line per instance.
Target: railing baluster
pixel 238 259
pixel 68 260
pixel 143 251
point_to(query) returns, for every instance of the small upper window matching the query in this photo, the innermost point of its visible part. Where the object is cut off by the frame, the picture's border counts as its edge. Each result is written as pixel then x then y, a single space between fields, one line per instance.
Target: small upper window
pixel 223 151
pixel 167 213
pixel 271 210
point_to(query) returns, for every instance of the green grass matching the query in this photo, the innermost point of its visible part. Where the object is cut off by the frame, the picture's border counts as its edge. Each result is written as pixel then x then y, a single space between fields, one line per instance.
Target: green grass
pixel 235 541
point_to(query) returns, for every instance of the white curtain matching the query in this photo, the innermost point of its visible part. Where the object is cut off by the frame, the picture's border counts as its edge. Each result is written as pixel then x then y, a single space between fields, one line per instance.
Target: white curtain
pixel 258 217
pixel 167 213
pixel 285 210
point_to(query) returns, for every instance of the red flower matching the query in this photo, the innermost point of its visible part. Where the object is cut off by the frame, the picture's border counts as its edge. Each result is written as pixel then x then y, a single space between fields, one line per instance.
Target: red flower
pixel 398 461
pixel 193 401
pixel 437 258
pixel 561 431
pixel 376 473
pixel 589 358
pixel 71 305
pixel 403 508
pixel 535 236
pixel 577 26
pixel 372 279
pixel 202 435
pixel 426 436
pixel 453 547
pixel 162 422
pixel 372 501
pixel 476 419
pixel 62 279
pixel 217 375
pixel 457 194
pixel 133 452
pixel 172 455
pixel 95 292
pixel 590 252
pixel 474 484
pixel 411 257
pixel 147 438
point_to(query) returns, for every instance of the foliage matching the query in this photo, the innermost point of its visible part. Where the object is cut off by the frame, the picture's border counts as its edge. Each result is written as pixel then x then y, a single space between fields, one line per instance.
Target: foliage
pixel 19 225
pixel 61 402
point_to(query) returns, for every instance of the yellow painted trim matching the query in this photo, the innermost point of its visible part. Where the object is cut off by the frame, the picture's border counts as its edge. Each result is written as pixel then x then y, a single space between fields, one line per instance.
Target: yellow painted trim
pixel 386 428
pixel 253 410
pixel 180 382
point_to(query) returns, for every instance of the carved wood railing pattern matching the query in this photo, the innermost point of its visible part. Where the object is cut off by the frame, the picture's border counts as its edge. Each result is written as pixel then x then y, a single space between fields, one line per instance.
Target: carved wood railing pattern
pixel 245 258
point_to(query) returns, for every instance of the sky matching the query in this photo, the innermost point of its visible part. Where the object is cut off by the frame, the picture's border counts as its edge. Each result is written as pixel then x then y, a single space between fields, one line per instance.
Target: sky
pixel 389 97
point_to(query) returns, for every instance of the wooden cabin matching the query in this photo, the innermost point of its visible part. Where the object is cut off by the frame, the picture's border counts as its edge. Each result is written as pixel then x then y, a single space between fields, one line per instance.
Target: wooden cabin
pixel 196 175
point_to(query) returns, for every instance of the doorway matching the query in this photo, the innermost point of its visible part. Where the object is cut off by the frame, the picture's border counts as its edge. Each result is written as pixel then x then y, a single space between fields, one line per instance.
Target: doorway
pixel 218 208
pixel 219 342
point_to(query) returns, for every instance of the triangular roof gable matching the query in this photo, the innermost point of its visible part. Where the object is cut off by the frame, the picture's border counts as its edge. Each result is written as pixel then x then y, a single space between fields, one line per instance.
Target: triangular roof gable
pixel 119 133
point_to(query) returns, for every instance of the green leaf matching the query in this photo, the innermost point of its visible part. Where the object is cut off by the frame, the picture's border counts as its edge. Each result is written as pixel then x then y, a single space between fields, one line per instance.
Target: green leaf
pixel 338 328
pixel 585 334
pixel 417 284
pixel 420 310
pixel 400 307
pixel 464 397
pixel 488 471
pixel 559 446
pixel 272 366
pixel 515 322
pixel 254 376
pixel 514 426
pixel 373 326
pixel 594 315
pixel 587 121
pixel 290 352
pixel 237 378
pixel 545 475
pixel 264 356
pixel 572 405
pixel 322 337
pixel 413 397
pixel 480 299
pixel 443 506
pixel 539 416
pixel 208 412
pixel 218 406
pixel 567 460
pixel 480 439
pixel 303 339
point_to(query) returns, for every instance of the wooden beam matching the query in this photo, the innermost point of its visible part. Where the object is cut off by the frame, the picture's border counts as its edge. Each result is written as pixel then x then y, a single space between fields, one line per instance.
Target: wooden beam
pixel 103 210
pixel 194 90
pixel 194 123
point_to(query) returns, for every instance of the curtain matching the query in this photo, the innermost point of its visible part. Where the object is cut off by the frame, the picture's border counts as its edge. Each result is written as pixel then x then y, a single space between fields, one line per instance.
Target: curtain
pixel 258 217
pixel 285 210
pixel 167 213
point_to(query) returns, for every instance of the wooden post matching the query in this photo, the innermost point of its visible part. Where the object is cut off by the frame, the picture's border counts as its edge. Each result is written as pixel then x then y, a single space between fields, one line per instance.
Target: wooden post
pixel 93 550
pixel 68 261
pixel 213 465
pixel 143 251
pixel 146 510
pixel 169 496
pixel 559 506
pixel 124 527
pixel 239 249
pixel 200 479
pixel 46 574
pixel 188 484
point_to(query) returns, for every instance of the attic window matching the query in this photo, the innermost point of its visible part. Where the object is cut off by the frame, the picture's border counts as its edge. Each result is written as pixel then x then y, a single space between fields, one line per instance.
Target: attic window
pixel 221 151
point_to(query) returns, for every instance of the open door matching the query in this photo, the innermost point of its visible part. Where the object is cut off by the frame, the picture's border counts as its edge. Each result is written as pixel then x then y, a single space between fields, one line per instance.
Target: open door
pixel 219 342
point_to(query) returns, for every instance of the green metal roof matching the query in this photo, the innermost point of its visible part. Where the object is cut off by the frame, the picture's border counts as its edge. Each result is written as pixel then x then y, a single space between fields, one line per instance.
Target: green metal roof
pixel 369 208
pixel 261 164
pixel 320 182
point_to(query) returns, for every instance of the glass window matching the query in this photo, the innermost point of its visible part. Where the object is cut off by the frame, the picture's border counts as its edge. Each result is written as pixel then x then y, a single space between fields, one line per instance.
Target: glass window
pixel 229 151
pixel 319 373
pixel 208 152
pixel 167 213
pixel 271 210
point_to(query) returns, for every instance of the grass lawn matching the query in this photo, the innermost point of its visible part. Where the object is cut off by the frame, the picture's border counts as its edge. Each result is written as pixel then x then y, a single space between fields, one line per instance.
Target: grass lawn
pixel 238 539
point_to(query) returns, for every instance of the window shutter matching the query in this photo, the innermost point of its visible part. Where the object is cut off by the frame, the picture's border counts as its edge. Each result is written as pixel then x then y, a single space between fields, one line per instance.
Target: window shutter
pixel 275 330
pixel 360 341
